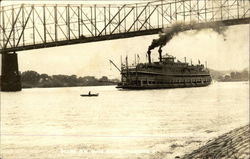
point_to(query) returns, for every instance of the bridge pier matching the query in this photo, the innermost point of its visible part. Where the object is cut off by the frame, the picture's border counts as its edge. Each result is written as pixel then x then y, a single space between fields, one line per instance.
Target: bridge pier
pixel 10 77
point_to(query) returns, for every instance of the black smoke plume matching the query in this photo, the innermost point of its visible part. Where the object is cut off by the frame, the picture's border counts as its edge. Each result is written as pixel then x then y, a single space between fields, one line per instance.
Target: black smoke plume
pixel 168 33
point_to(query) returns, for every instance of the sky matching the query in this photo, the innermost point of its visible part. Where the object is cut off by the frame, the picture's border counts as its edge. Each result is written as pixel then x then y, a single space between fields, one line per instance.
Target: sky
pixel 221 53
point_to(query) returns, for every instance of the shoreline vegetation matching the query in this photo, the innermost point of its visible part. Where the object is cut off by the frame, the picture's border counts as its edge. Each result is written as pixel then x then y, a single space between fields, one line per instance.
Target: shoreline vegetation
pixel 32 79
pixel 230 76
pixel 231 145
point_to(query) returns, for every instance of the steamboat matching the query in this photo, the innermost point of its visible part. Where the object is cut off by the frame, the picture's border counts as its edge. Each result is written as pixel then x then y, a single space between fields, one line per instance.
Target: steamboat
pixel 165 73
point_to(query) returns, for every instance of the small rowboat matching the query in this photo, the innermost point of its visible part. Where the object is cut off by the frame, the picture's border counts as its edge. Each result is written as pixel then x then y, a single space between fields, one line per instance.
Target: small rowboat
pixel 90 95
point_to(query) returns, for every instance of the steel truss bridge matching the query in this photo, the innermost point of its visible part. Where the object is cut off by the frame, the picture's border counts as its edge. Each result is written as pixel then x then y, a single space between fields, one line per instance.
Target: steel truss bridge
pixel 33 26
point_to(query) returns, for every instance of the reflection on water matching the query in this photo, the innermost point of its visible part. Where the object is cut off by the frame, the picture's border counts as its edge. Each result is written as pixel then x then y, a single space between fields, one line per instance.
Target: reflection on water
pixel 59 123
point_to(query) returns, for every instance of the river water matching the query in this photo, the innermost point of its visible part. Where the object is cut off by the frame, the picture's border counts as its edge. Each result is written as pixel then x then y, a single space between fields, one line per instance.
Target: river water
pixel 57 123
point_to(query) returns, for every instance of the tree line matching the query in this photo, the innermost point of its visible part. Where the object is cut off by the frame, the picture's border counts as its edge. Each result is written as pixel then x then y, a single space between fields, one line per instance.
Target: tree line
pixel 235 76
pixel 34 79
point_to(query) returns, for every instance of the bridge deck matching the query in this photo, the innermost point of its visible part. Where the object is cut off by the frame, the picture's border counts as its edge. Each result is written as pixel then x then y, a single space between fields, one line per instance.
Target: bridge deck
pixel 25 27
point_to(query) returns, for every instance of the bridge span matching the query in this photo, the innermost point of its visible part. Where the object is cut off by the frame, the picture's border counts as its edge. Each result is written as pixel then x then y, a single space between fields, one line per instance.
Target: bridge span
pixel 34 26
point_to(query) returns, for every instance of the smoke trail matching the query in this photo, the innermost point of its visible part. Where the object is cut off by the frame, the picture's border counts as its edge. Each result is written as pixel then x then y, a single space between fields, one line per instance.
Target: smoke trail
pixel 168 33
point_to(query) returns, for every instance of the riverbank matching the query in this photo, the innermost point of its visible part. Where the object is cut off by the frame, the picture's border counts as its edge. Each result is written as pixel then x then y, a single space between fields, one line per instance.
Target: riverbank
pixel 32 79
pixel 28 85
pixel 232 145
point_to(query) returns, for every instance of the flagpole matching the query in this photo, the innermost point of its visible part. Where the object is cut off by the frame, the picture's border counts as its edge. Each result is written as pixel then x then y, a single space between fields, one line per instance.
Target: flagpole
pixel 121 60
pixel 135 59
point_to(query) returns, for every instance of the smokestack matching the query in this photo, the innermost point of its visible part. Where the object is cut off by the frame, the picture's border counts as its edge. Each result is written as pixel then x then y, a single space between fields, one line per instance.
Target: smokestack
pixel 185 59
pixel 160 51
pixel 149 58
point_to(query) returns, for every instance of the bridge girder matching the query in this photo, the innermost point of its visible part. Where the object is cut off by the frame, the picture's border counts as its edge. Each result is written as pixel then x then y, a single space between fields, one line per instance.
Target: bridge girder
pixel 25 26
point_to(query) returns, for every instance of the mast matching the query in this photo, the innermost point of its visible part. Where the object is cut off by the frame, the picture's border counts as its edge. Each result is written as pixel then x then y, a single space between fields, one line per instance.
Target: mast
pixel 127 67
pixel 135 59
pixel 126 61
pixel 121 60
